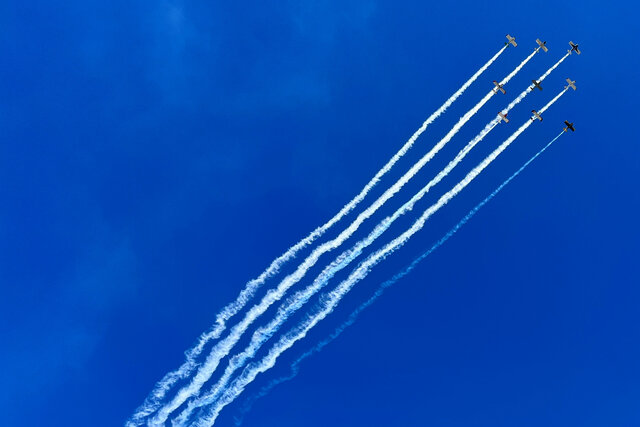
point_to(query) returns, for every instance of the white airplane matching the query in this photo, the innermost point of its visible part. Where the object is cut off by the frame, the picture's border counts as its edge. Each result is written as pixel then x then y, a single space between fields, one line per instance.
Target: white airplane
pixel 572 84
pixel 536 84
pixel 542 45
pixel 498 88
pixel 512 40
pixel 536 115
pixel 503 117
pixel 574 47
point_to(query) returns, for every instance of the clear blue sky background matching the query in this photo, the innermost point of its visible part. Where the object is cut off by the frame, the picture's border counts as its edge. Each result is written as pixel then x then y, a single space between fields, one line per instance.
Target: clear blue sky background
pixel 156 155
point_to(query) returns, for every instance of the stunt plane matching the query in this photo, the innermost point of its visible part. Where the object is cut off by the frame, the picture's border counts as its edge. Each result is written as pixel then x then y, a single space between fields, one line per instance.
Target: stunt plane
pixel 537 84
pixel 542 45
pixel 512 40
pixel 572 84
pixel 503 117
pixel 536 115
pixel 498 87
pixel 574 46
pixel 569 126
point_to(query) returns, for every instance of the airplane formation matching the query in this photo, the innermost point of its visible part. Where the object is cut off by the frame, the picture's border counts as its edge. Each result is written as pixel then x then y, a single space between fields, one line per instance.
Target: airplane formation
pixel 536 84
pixel 183 389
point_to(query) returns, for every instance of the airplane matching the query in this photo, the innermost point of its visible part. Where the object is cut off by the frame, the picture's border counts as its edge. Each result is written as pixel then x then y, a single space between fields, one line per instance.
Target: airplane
pixel 574 46
pixel 498 88
pixel 512 40
pixel 503 117
pixel 569 126
pixel 536 115
pixel 542 45
pixel 537 84
pixel 572 84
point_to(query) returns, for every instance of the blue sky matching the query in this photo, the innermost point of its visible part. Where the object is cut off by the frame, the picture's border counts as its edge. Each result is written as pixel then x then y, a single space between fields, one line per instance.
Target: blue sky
pixel 157 155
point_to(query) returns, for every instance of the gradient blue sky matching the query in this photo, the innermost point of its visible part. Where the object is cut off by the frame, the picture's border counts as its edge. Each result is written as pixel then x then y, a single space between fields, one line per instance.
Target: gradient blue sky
pixel 158 154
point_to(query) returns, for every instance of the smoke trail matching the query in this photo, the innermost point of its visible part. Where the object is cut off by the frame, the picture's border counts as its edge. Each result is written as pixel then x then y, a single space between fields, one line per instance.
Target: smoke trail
pixel 295 366
pixel 152 402
pixel 284 312
pixel 531 87
pixel 264 333
pixel 223 347
pixel 518 68
pixel 331 299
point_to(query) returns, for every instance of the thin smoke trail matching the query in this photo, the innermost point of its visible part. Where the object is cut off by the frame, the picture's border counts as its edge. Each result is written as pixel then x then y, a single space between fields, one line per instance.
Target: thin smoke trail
pixel 295 366
pixel 264 333
pixel 223 347
pixel 331 299
pixel 152 402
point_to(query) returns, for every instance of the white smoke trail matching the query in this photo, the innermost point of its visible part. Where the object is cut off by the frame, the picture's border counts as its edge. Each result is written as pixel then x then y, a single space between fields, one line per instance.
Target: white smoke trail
pixel 152 402
pixel 223 347
pixel 299 299
pixel 518 68
pixel 330 300
pixel 531 87
pixel 264 333
pixel 295 366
